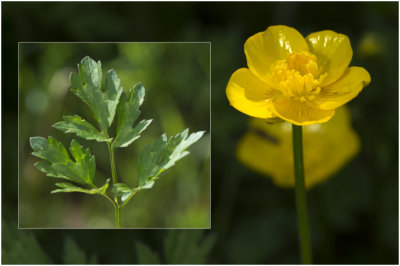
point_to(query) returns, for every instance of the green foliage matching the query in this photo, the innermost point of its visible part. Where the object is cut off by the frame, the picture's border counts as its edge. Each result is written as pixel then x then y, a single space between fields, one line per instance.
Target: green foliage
pixel 124 191
pixel 180 247
pixel 20 247
pixel 88 86
pixel 67 187
pixel 58 163
pixel 156 158
pixel 128 112
pixel 75 124
pixel 163 154
pixel 104 102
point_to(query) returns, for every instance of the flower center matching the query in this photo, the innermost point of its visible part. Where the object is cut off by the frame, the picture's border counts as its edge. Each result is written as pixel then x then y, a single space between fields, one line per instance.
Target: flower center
pixel 297 77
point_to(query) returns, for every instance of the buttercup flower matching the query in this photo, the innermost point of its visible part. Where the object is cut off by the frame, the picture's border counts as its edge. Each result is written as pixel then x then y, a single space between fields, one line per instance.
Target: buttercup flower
pixel 267 149
pixel 300 80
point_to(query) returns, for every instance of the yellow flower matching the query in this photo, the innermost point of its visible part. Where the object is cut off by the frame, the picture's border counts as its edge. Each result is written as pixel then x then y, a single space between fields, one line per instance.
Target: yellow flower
pixel 300 80
pixel 267 148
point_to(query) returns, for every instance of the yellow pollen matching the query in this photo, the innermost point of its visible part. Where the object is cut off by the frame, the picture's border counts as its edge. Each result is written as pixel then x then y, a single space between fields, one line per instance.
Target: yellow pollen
pixel 297 76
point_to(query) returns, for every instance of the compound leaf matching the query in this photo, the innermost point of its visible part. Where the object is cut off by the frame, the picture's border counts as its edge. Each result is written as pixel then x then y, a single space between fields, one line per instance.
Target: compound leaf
pixel 88 86
pixel 82 128
pixel 58 163
pixel 128 112
pixel 163 154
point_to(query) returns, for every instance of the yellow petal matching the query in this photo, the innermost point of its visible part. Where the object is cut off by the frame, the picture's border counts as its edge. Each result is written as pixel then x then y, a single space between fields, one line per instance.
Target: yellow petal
pixel 344 89
pixel 249 95
pixel 333 51
pixel 267 149
pixel 265 48
pixel 299 113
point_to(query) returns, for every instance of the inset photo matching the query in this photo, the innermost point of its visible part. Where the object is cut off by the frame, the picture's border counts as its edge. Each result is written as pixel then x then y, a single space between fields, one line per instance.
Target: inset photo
pixel 114 135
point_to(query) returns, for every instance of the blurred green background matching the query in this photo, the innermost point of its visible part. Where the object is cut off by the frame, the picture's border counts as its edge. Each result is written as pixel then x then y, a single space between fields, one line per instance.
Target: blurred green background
pixel 177 81
pixel 354 215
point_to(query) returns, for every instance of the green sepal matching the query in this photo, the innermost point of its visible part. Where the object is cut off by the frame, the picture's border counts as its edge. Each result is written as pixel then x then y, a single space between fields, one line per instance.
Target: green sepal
pixel 82 128
pixel 58 163
pixel 163 154
pixel 68 187
pixel 128 112
pixel 88 86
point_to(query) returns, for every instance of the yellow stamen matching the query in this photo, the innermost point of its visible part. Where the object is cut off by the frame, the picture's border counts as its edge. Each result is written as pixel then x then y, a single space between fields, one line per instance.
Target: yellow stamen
pixel 298 76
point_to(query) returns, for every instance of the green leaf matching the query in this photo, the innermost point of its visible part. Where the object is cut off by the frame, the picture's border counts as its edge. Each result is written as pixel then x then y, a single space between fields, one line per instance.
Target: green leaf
pixel 163 154
pixel 146 255
pixel 88 86
pixel 123 190
pixel 82 128
pixel 58 163
pixel 120 188
pixel 67 187
pixel 50 150
pixel 128 112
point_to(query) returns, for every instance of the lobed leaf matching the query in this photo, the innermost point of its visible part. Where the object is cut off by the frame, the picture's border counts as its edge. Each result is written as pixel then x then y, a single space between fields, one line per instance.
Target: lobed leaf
pixel 88 86
pixel 82 128
pixel 163 154
pixel 57 162
pixel 50 150
pixel 128 112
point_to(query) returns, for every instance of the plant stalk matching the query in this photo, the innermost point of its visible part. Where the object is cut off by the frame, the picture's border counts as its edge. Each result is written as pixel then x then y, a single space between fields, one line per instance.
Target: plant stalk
pixel 112 162
pixel 117 205
pixel 301 202
pixel 117 215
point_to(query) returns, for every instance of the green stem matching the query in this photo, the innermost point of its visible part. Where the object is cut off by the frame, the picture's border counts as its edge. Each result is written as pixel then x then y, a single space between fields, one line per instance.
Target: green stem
pixel 112 162
pixel 117 205
pixel 117 209
pixel 117 215
pixel 304 231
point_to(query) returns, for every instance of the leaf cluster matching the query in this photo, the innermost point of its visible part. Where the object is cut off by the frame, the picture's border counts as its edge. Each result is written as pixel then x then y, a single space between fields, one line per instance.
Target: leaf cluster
pixel 106 101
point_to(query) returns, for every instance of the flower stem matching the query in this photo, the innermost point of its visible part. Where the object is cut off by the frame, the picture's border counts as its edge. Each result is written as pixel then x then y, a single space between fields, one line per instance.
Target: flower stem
pixel 301 203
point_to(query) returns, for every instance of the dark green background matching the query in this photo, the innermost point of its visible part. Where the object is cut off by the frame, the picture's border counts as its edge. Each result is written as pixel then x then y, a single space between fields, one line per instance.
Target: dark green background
pixel 354 215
